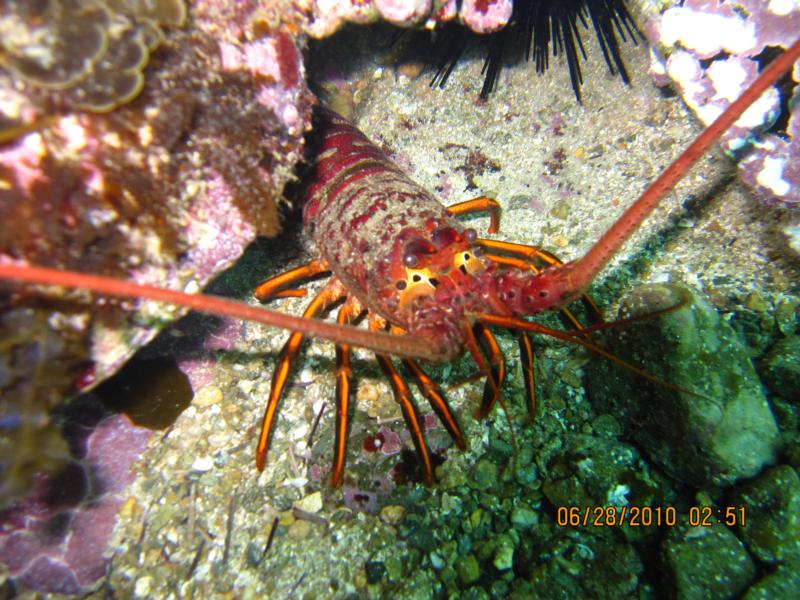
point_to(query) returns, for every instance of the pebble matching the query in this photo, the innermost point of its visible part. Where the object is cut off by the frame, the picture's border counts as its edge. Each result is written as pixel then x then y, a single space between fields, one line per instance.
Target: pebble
pixel 299 530
pixel 208 395
pixel 485 474
pixel 524 517
pixel 143 586
pixel 392 514
pixel 311 503
pixel 503 558
pixel 202 464
pixel 468 569
pixel 450 504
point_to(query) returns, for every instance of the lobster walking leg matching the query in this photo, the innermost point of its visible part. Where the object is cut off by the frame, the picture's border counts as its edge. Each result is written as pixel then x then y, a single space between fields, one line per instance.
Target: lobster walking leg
pixel 479 204
pixel 348 313
pixel 322 302
pixel 498 369
pixel 437 402
pixel 402 395
pixel 528 373
pixel 274 287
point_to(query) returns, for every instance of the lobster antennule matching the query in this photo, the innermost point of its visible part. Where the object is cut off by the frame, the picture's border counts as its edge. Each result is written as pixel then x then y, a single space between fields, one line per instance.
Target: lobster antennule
pixel 522 325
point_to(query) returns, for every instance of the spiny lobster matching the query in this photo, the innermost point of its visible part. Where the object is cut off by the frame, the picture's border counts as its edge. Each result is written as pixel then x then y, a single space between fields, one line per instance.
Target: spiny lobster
pixel 397 253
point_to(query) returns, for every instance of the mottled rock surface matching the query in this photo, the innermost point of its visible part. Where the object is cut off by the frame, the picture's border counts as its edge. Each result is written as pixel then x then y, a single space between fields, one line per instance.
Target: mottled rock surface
pixel 781 368
pixel 716 427
pixel 706 562
pixel 772 529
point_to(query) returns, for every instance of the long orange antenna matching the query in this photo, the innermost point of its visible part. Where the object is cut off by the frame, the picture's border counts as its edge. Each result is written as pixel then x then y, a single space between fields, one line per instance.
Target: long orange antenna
pixel 214 305
pixel 584 270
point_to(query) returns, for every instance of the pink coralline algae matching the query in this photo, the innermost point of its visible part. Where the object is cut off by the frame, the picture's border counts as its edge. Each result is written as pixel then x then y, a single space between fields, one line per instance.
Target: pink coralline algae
pixel 713 51
pixel 481 16
pixel 167 189
pixel 56 539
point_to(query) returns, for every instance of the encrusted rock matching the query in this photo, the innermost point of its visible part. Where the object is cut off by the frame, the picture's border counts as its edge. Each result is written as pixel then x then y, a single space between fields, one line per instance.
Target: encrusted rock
pixel 706 562
pixel 167 189
pixel 772 524
pixel 781 367
pixel 783 582
pixel 708 422
pixel 578 563
pixel 713 51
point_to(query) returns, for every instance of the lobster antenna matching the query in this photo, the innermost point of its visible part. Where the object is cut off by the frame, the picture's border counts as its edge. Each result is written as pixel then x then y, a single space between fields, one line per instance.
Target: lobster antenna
pixel 581 272
pixel 221 307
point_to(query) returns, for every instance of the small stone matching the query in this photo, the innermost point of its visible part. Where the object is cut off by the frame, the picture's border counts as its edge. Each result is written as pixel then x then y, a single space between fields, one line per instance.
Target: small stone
pixel 203 464
pixel 392 514
pixel 143 586
pixel 450 504
pixel 450 476
pixel 422 538
pixel 786 316
pixel 206 396
pixel 475 518
pixel 468 569
pixel 524 517
pixel 394 567
pixel 411 69
pixel 311 503
pixel 437 560
pixel 374 570
pixel 485 474
pixel 503 558
pixel 756 303
pixel 299 530
pixel 560 210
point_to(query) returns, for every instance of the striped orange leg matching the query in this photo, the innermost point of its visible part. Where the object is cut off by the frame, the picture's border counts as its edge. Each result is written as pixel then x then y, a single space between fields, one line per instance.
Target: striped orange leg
pixel 348 313
pixel 273 287
pixel 331 293
pixel 402 394
pixel 576 338
pixel 480 204
pixel 495 379
pixel 528 373
pixel 498 369
pixel 525 257
pixel 439 405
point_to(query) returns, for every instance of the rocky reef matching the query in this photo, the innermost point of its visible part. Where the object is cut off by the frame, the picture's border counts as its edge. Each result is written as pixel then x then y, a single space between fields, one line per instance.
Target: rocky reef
pixel 159 149
pixel 167 188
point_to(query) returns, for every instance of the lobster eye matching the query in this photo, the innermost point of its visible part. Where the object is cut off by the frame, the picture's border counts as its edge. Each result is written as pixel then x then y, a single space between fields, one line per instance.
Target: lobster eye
pixel 414 250
pixel 470 235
